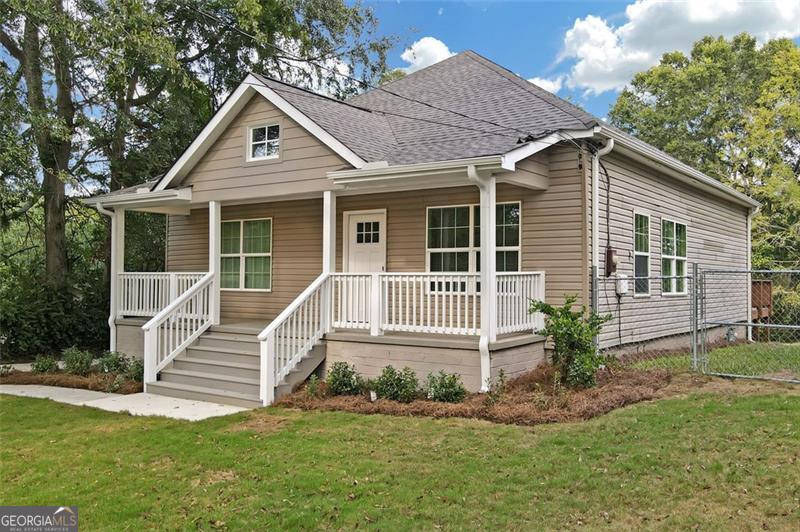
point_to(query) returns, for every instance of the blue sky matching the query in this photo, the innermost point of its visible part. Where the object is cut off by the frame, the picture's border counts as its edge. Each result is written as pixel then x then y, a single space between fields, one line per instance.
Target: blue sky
pixel 582 50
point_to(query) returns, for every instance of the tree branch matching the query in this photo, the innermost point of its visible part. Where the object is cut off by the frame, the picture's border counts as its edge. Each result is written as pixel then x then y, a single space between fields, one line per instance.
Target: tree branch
pixel 11 46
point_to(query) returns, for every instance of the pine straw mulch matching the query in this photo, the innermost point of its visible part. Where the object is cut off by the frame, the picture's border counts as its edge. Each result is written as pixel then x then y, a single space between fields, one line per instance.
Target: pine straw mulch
pixel 530 399
pixel 99 382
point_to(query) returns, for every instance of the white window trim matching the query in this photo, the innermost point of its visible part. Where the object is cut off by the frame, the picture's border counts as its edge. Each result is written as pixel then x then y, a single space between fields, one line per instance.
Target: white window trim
pixel 241 255
pixel 643 253
pixel 674 258
pixel 249 154
pixel 472 250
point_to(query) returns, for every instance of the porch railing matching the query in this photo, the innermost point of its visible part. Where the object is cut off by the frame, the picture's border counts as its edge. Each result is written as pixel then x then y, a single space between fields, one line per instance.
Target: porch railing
pixel 514 292
pixel 175 327
pixel 144 294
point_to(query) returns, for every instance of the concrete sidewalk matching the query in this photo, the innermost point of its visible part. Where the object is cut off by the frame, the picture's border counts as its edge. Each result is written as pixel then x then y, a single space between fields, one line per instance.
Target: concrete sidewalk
pixel 137 404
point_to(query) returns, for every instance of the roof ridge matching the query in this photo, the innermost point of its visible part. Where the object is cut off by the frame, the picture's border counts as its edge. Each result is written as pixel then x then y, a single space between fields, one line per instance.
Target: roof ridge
pixel 545 96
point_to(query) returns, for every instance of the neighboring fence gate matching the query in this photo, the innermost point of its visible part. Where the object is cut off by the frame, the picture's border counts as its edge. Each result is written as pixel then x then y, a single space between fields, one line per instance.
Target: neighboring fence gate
pixel 732 323
pixel 765 342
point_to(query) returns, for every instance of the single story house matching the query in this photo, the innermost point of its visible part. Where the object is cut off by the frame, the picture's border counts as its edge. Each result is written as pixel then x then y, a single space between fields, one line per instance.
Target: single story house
pixel 409 225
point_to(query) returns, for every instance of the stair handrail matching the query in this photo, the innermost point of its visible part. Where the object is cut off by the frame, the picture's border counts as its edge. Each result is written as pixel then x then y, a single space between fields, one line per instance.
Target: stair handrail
pixel 200 321
pixel 315 319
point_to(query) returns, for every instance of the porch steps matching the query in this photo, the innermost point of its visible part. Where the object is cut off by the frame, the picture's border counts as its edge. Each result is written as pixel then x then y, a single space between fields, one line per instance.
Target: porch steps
pixel 223 366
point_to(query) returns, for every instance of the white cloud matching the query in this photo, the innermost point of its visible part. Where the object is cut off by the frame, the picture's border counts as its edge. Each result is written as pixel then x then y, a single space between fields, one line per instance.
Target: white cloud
pixel 424 53
pixel 440 12
pixel 550 84
pixel 607 56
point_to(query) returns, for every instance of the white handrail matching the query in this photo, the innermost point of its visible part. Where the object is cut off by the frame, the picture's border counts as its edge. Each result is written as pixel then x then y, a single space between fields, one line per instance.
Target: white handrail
pixel 144 294
pixel 176 326
pixel 293 334
pixel 515 290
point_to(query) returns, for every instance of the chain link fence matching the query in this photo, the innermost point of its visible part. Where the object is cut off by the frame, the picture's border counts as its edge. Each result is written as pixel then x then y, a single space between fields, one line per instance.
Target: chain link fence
pixel 733 323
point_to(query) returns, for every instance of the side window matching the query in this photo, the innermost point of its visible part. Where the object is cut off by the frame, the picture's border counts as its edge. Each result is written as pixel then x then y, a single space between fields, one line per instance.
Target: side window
pixel 673 257
pixel 264 142
pixel 246 255
pixel 641 254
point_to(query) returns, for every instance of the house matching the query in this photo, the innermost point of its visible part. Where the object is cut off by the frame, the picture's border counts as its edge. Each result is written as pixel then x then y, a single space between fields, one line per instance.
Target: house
pixel 409 225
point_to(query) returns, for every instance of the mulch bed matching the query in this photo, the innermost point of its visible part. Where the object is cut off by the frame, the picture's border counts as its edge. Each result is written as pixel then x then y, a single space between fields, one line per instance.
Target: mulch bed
pixel 99 382
pixel 529 399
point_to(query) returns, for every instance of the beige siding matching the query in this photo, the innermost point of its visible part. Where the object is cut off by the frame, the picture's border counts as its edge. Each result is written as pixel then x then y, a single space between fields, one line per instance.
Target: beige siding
pixel 224 174
pixel 716 238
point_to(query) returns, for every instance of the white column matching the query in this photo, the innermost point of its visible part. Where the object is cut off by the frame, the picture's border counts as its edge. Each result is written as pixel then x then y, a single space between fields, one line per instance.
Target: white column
pixel 214 228
pixel 489 258
pixel 328 231
pixel 117 266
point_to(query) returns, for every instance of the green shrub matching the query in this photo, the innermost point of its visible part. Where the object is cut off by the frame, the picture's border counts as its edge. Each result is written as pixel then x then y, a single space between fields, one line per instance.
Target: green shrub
pixel 44 364
pixel 343 379
pixel 444 387
pixel 312 388
pixel 135 371
pixel 573 333
pixel 114 362
pixel 497 386
pixel 77 361
pixel 397 385
pixel 5 369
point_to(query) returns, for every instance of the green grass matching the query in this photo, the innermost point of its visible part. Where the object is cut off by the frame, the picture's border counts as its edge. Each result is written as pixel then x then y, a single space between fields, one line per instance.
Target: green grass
pixel 708 461
pixel 757 359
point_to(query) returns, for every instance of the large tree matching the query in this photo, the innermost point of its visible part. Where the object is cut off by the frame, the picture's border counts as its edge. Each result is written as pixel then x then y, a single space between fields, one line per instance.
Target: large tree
pixel 731 109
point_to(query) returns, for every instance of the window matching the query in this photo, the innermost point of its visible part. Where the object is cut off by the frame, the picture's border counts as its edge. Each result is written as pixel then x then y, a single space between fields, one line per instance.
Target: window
pixel 454 238
pixel 368 232
pixel 673 257
pixel 641 254
pixel 246 255
pixel 264 142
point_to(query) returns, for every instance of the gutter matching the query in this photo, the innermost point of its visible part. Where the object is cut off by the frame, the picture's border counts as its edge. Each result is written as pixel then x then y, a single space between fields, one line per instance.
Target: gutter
pixel 141 196
pixel 605 150
pixel 382 171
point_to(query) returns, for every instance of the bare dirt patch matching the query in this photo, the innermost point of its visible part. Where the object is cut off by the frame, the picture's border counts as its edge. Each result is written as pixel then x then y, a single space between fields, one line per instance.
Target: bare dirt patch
pixel 530 399
pixel 99 382
pixel 261 423
pixel 686 383
pixel 214 477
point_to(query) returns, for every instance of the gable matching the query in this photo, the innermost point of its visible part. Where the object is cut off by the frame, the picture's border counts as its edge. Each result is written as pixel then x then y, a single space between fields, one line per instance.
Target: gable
pixel 224 173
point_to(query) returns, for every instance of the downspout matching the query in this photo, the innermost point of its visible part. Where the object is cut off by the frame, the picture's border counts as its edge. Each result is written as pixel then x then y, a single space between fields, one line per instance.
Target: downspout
pixel 486 314
pixel 605 150
pixel 112 291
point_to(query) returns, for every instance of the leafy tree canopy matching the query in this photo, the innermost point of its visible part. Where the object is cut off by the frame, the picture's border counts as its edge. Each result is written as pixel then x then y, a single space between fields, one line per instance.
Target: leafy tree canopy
pixel 732 110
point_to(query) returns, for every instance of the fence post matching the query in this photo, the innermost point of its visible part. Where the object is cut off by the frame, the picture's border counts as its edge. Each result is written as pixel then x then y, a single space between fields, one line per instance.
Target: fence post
pixel 695 314
pixel 375 305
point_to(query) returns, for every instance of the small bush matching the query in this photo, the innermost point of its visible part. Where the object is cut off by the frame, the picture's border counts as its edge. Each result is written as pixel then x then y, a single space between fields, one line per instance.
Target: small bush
pixel 5 369
pixel 497 386
pixel 135 371
pixel 114 362
pixel 77 361
pixel 397 385
pixel 446 388
pixel 44 364
pixel 343 379
pixel 573 334
pixel 114 385
pixel 312 388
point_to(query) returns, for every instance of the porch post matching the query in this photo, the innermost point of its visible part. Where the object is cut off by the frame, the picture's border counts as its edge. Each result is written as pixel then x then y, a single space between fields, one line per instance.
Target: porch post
pixel 214 212
pixel 117 266
pixel 488 276
pixel 328 254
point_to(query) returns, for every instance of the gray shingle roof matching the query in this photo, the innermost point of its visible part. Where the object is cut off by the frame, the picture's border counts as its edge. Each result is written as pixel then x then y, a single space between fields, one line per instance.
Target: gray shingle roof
pixel 410 120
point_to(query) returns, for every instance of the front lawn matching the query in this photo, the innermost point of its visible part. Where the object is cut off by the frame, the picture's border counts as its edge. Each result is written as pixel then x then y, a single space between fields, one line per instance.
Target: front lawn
pixel 711 461
pixel 756 359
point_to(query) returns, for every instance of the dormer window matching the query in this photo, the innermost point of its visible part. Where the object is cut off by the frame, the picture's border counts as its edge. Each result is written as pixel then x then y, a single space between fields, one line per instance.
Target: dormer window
pixel 264 142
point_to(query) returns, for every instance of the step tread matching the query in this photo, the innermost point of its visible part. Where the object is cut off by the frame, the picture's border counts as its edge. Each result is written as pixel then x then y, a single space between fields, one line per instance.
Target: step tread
pixel 230 338
pixel 219 363
pixel 202 390
pixel 222 350
pixel 211 376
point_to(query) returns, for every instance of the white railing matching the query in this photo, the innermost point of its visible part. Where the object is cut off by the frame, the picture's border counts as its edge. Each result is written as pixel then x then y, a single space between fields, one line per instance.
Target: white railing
pixel 293 334
pixel 430 303
pixel 175 327
pixel 146 293
pixel 515 290
pixel 352 300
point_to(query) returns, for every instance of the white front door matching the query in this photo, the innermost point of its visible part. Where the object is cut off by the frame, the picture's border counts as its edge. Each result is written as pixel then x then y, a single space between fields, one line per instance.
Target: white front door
pixel 365 241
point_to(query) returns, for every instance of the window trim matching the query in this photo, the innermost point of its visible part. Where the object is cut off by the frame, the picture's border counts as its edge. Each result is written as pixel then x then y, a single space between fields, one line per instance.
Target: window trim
pixel 241 255
pixel 674 258
pixel 249 144
pixel 471 249
pixel 647 254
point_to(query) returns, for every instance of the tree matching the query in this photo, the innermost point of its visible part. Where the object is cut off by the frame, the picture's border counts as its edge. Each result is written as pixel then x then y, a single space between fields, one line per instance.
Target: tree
pixel 732 110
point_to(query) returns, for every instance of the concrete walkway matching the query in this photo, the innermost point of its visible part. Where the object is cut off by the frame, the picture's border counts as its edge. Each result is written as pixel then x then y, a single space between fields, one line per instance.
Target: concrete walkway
pixel 137 404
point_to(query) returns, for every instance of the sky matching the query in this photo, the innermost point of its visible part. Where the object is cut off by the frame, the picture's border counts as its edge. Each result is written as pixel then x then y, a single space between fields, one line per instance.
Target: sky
pixel 582 50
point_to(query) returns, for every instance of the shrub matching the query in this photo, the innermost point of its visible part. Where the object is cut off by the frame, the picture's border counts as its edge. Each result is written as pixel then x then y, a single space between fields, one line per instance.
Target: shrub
pixel 135 371
pixel 497 386
pixel 444 387
pixel 77 361
pixel 5 369
pixel 343 379
pixel 397 385
pixel 44 364
pixel 312 388
pixel 573 333
pixel 114 362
